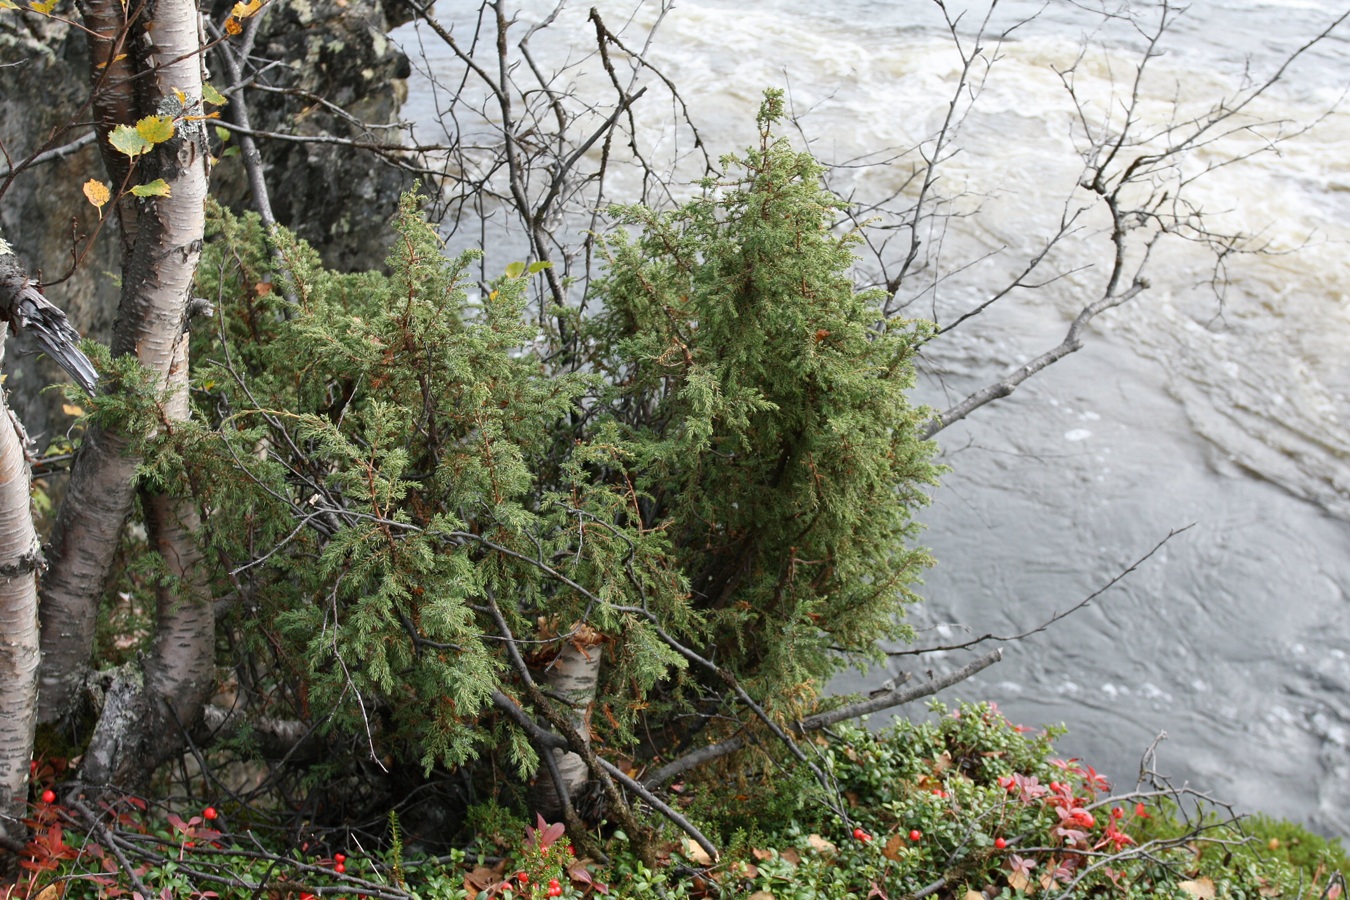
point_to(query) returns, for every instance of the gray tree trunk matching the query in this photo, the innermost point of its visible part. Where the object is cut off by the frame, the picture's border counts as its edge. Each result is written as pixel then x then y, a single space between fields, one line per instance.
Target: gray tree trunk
pixel 164 237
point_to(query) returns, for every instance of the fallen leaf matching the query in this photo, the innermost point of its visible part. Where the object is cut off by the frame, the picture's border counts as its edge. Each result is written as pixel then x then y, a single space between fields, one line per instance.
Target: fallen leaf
pixel 791 856
pixel 821 846
pixel 894 845
pixel 71 409
pixel 762 855
pixel 1018 881
pixel 696 854
pixel 761 895
pixel 52 891
pixel 1201 888
pixel 972 894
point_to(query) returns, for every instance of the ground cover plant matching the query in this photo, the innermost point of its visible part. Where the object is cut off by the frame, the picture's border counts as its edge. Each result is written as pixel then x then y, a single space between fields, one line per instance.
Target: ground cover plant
pixel 963 805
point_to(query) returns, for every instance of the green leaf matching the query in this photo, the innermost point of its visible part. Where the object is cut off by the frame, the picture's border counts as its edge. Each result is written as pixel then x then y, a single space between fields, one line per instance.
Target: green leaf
pixel 539 266
pixel 211 95
pixel 155 129
pixel 515 270
pixel 6 4
pixel 223 134
pixel 128 140
pixel 157 188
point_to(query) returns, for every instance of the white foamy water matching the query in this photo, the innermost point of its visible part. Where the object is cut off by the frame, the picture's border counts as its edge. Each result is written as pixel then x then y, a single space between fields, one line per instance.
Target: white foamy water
pixel 1186 406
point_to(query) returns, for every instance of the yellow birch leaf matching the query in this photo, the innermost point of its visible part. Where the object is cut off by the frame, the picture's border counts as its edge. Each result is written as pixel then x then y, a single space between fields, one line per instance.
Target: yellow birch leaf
pixel 43 6
pixel 71 409
pixel 244 10
pixel 6 4
pixel 96 192
pixel 515 269
pixel 213 96
pixel 128 140
pixel 155 129
pixel 157 188
pixel 232 26
pixel 118 58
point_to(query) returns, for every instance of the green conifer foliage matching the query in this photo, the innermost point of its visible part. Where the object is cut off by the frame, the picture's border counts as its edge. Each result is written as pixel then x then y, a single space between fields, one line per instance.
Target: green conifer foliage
pixel 776 443
pixel 414 494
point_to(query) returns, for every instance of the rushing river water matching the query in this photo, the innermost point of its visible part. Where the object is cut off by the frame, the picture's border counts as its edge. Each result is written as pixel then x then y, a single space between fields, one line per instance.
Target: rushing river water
pixel 1180 410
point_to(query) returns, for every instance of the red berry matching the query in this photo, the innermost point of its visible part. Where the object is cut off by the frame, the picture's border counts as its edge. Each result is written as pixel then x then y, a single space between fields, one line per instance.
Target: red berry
pixel 1000 843
pixel 915 834
pixel 339 857
pixel 522 877
pixel 861 835
pixel 49 796
pixel 554 888
pixel 340 868
pixel 209 814
pixel 1117 812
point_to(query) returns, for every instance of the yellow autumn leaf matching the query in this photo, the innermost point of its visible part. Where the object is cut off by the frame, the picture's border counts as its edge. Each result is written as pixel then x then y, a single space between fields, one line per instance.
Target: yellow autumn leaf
pixel 71 409
pixel 43 6
pixel 96 192
pixel 6 4
pixel 128 140
pixel 52 891
pixel 118 58
pixel 232 26
pixel 244 10
pixel 155 129
pixel 213 96
pixel 157 188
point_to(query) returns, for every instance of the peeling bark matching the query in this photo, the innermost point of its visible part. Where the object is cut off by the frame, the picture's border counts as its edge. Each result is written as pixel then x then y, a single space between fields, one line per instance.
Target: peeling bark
pixel 164 44
pixel 20 557
pixel 573 676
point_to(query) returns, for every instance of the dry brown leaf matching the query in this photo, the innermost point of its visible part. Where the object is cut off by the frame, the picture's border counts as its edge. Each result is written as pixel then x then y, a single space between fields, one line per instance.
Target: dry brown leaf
pixel 1201 888
pixel 761 855
pixel 893 847
pixel 696 854
pixel 791 856
pixel 972 894
pixel 52 891
pixel 1019 881
pixel 761 895
pixel 821 846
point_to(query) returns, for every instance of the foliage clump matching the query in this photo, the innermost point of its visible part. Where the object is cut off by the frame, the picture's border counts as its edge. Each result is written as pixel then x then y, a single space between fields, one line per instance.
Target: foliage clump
pixel 418 496
pixel 966 802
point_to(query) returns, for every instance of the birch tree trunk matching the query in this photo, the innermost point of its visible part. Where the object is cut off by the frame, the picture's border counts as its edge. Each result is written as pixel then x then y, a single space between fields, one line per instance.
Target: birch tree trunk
pixel 20 556
pixel 573 675
pixel 161 76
